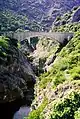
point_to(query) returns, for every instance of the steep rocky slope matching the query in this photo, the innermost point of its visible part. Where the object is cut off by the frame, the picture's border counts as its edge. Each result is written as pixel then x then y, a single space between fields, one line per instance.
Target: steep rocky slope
pixel 67 18
pixel 43 12
pixel 44 54
pixel 16 78
pixel 58 89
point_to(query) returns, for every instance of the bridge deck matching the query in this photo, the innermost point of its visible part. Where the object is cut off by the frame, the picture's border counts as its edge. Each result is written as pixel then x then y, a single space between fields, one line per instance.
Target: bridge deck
pixel 58 36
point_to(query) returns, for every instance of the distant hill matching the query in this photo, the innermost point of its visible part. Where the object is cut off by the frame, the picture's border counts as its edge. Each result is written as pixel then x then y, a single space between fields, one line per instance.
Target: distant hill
pixel 12 21
pixel 43 12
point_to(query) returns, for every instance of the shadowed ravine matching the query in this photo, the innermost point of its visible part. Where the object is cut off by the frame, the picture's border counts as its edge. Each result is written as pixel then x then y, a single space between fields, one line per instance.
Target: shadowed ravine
pixel 14 110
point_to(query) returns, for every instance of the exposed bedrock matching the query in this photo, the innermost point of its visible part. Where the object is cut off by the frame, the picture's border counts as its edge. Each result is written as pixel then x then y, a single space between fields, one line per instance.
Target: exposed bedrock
pixel 16 80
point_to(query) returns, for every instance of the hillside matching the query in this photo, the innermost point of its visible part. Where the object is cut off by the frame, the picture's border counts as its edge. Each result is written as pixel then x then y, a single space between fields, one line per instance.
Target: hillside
pixel 12 21
pixel 40 79
pixel 44 12
pixel 58 89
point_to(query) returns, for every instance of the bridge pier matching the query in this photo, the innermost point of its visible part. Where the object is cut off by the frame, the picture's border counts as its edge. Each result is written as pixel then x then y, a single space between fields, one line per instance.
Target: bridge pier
pixel 29 41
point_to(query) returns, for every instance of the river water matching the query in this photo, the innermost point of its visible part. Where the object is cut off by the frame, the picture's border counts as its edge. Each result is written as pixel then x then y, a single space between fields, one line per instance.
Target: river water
pixel 22 113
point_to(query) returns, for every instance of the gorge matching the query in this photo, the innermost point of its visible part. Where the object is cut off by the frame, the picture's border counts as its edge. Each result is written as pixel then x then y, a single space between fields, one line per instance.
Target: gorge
pixel 39 59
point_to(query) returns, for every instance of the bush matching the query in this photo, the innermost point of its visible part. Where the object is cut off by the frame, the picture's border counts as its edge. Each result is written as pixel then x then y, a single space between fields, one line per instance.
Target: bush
pixel 58 18
pixel 35 114
pixel 7 47
pixel 77 114
pixel 67 107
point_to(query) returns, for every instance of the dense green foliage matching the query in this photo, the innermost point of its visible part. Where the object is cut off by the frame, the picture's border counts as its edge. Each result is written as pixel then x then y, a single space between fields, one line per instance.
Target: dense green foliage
pixel 67 108
pixel 5 49
pixel 11 21
pixel 71 27
pixel 77 114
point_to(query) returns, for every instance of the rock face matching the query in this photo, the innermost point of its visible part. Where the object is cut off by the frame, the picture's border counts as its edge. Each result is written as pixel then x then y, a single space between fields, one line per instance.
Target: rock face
pixel 42 11
pixel 16 78
pixel 45 48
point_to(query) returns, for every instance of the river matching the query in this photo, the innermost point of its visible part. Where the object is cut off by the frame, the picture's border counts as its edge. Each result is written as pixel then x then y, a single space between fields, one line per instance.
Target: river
pixel 22 113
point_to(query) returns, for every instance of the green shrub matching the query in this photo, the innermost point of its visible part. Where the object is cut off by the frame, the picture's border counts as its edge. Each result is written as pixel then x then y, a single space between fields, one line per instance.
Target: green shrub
pixel 72 27
pixel 35 114
pixel 7 49
pixel 59 78
pixel 77 114
pixel 65 108
pixel 58 18
pixel 3 46
pixel 3 41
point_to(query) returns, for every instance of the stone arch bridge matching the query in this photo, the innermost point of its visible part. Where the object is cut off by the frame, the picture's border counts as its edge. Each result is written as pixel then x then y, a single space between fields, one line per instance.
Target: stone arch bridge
pixel 22 35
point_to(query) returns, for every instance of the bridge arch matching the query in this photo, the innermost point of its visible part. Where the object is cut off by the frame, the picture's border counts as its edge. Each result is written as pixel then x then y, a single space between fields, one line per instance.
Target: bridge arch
pixel 58 36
